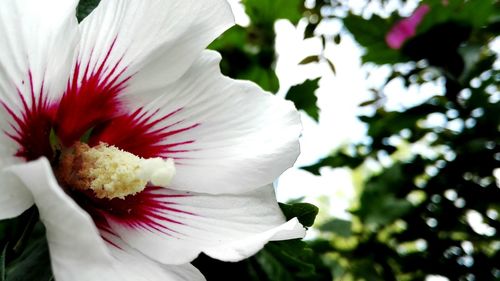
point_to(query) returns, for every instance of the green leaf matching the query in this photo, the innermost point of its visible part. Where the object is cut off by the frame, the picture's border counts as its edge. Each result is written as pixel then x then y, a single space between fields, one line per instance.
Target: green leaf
pixel 304 97
pixel 233 38
pixel 265 12
pixel 54 141
pixel 31 218
pixel 287 260
pixel 266 78
pixel 331 66
pixel 478 13
pixel 306 213
pixel 334 161
pixel 309 30
pixel 378 127
pixel 85 7
pixel 215 270
pixel 246 56
pixel 339 227
pixel 371 35
pixel 4 227
pixel 385 210
pixel 310 59
pixel 86 136
pixel 34 262
pixel 474 13
pixel 2 262
pixel 337 39
pixel 379 202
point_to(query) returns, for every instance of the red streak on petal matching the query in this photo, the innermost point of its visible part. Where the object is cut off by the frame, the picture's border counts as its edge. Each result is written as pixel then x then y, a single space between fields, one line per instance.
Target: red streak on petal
pixel 138 133
pixel 107 234
pixel 32 125
pixel 90 100
pixel 146 210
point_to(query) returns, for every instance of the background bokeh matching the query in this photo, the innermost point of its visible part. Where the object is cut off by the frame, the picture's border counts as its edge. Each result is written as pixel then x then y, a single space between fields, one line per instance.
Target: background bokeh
pixel 400 105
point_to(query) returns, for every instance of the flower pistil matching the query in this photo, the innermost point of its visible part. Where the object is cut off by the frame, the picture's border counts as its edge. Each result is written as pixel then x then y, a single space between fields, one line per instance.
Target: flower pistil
pixel 111 172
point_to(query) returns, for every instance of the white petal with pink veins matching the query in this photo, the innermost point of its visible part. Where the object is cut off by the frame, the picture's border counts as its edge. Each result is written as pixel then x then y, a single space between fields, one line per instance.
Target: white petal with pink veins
pixel 37 45
pixel 176 226
pixel 77 250
pixel 225 136
pixel 156 40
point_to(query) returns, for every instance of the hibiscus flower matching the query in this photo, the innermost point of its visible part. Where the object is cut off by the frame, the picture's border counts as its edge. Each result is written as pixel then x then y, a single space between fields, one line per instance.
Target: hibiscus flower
pixel 138 153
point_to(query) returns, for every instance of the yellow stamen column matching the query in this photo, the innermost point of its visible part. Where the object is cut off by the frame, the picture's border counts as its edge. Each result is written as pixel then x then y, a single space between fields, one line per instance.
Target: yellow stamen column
pixel 111 172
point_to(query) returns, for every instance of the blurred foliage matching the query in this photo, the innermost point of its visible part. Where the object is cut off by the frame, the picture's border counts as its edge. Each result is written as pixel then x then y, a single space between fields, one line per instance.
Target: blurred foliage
pixel 249 52
pixel 413 215
pixel 303 97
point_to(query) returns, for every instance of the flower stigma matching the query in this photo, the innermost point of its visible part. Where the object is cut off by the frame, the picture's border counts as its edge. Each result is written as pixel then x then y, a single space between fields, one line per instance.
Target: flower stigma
pixel 111 172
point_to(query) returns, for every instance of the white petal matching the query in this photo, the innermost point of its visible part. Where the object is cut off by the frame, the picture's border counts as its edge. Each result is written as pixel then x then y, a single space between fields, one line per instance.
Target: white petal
pixel 241 249
pixel 184 272
pixel 156 41
pixel 226 227
pixel 234 137
pixel 136 267
pixel 14 197
pixel 77 251
pixel 36 50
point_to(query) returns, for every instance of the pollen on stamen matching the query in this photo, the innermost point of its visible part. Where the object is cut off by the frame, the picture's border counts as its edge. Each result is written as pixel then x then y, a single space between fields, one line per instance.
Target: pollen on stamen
pixel 111 172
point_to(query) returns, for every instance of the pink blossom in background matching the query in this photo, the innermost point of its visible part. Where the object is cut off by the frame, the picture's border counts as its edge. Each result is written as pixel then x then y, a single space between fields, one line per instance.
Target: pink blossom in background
pixel 406 28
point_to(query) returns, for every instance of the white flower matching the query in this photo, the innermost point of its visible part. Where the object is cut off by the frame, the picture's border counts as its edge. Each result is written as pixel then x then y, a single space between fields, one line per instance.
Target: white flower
pixel 133 81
